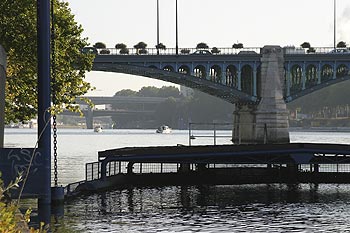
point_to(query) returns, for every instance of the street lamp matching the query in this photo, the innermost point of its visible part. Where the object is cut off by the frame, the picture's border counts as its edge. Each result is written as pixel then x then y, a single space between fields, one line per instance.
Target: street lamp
pixel 177 42
pixel 335 22
pixel 157 26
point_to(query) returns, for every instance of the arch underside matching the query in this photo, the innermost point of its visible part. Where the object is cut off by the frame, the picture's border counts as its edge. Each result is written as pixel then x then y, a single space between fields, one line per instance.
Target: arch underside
pixel 317 87
pixel 226 93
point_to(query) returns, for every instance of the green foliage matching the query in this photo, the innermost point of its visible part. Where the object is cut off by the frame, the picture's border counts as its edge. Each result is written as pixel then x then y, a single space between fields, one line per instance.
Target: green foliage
pixel 124 51
pixel 126 92
pixel 166 91
pixel 237 46
pixel 311 50
pixel 215 50
pixel 341 44
pixel 199 108
pixel 100 45
pixel 18 35
pixel 140 45
pixel 160 46
pixel 105 51
pixel 331 96
pixel 305 45
pixel 148 91
pixel 142 51
pixel 11 221
pixel 202 45
pixel 120 46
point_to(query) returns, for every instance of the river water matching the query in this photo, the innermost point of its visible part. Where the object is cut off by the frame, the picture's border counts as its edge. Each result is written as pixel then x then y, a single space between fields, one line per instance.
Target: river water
pixel 231 208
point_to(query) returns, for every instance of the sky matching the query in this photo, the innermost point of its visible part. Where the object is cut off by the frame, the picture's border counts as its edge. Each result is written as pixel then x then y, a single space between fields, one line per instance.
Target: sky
pixel 219 23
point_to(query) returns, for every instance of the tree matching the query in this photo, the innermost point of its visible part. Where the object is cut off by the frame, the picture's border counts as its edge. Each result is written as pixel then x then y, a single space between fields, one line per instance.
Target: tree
pixel 141 48
pixel 311 50
pixel 237 46
pixel 305 45
pixel 126 92
pixel 18 35
pixel 105 51
pixel 215 50
pixel 120 46
pixel 149 91
pixel 100 45
pixel 161 46
pixel 341 44
pixel 202 45
pixel 124 51
pixel 169 91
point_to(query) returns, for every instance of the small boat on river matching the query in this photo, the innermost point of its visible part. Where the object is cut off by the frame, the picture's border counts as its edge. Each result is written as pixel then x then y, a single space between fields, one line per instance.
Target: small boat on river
pixel 164 129
pixel 98 129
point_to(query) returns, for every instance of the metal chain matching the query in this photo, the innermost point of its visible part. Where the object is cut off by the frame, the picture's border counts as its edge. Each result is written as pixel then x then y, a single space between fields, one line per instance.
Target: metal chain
pixel 55 150
pixel 54 93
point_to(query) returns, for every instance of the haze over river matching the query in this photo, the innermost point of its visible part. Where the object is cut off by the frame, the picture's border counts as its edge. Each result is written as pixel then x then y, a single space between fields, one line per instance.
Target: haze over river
pixel 232 208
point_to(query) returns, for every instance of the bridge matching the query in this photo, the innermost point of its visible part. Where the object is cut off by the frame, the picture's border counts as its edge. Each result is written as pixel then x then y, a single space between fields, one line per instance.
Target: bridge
pixel 259 81
pixel 90 113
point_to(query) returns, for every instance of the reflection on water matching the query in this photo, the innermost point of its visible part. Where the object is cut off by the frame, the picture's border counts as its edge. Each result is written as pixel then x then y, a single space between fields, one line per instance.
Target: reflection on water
pixel 257 208
pixel 241 208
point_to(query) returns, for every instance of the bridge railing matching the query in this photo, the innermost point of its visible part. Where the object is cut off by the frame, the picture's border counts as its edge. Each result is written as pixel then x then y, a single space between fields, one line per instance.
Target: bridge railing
pixel 218 51
pixel 181 51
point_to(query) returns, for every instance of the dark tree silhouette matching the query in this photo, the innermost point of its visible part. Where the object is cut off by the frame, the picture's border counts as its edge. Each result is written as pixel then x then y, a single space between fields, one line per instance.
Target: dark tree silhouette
pixel 237 46
pixel 100 45
pixel 305 45
pixel 215 50
pixel 202 45
pixel 341 44
pixel 160 46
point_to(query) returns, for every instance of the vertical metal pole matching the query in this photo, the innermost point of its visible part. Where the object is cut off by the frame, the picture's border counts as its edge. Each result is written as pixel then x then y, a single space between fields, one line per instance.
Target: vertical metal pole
pixel 214 134
pixel 177 38
pixel 189 134
pixel 335 23
pixel 3 58
pixel 157 26
pixel 44 101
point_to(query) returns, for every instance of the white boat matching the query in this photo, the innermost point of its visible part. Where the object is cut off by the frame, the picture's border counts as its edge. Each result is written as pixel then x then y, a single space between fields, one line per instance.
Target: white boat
pixel 164 129
pixel 98 129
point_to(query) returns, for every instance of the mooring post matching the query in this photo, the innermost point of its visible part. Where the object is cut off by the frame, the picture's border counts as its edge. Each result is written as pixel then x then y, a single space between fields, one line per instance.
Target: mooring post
pixel 3 58
pixel 44 101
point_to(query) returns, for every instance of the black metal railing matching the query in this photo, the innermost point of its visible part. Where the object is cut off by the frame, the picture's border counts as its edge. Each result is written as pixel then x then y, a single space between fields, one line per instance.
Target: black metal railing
pixel 218 51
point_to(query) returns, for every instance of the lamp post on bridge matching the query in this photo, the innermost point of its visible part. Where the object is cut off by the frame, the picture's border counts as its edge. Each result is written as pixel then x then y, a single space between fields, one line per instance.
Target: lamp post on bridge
pixel 335 22
pixel 157 26
pixel 177 42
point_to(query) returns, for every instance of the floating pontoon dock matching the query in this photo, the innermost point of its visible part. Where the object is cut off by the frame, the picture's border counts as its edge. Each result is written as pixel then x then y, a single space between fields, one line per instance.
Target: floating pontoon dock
pixel 220 164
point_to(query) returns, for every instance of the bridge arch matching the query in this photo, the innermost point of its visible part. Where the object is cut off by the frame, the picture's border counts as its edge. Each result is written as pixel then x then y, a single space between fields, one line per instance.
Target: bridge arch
pixel 326 73
pixel 169 68
pixel 311 76
pixel 184 69
pixel 215 74
pixel 247 79
pixel 231 76
pixel 296 78
pixel 342 71
pixel 200 71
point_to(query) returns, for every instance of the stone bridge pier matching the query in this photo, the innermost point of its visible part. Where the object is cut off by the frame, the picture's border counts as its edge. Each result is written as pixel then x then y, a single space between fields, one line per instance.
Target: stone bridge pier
pixel 89 118
pixel 266 122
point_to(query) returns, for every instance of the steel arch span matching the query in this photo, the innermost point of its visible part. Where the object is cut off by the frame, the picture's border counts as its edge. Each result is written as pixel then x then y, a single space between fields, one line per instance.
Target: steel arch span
pixel 219 90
